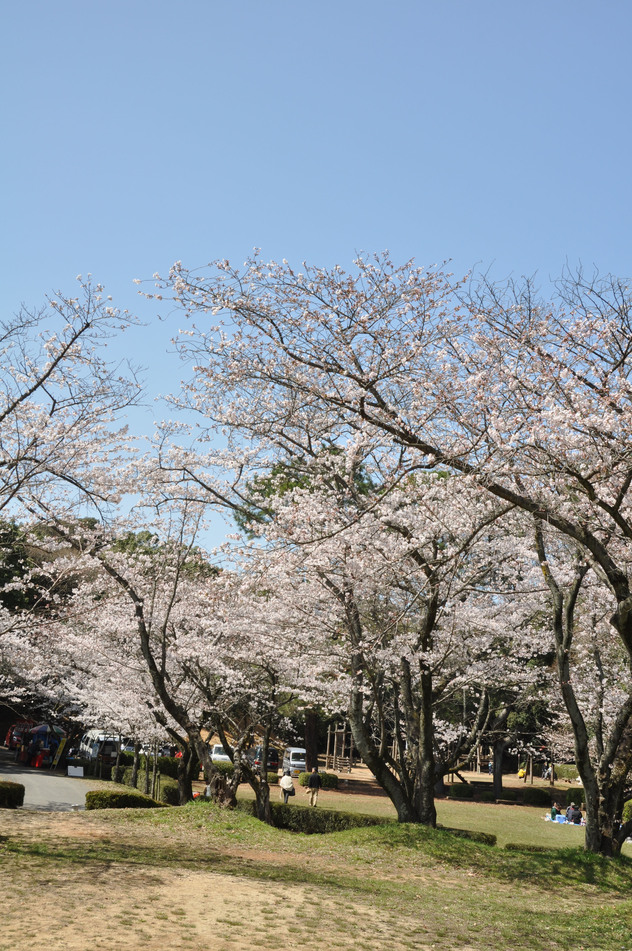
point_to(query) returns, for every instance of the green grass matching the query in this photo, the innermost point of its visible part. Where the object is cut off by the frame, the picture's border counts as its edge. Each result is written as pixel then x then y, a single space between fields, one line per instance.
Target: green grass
pixel 426 886
pixel 386 887
pixel 523 825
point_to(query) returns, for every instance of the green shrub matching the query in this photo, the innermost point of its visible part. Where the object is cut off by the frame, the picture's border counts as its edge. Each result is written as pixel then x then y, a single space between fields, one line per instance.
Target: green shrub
pixel 273 779
pixel 487 838
pixel 313 821
pixel 168 766
pixel 460 791
pixel 510 793
pixel 11 794
pixel 224 769
pixel 486 795
pixel 329 780
pixel 567 771
pixel 168 787
pixel 120 799
pixel 627 811
pixel 536 796
pixel 574 794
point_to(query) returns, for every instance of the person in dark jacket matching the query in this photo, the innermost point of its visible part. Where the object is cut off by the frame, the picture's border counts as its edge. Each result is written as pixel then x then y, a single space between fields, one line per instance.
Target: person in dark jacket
pixel 314 783
pixel 576 815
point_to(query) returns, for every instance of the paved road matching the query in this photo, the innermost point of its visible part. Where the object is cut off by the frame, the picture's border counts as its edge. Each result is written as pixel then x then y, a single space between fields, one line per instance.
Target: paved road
pixel 46 791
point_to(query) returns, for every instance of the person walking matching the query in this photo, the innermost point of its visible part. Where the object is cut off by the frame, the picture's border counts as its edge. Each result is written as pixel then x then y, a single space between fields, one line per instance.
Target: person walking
pixel 287 786
pixel 314 784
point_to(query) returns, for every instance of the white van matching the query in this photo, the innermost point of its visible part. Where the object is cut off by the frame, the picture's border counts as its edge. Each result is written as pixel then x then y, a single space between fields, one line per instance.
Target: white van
pixel 294 760
pixel 95 743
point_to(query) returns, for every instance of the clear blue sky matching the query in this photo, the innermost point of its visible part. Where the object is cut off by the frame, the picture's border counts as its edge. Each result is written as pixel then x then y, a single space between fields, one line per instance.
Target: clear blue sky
pixel 487 132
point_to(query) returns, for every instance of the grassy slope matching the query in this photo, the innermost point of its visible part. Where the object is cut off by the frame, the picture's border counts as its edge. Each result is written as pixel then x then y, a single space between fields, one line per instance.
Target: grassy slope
pixel 385 887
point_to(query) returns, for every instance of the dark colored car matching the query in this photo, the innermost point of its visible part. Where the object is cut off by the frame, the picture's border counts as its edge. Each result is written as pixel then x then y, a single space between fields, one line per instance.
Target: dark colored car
pixel 274 760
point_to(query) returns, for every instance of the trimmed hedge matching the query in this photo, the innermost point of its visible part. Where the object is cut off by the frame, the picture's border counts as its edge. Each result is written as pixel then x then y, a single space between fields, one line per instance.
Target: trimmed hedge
pixel 626 816
pixel 11 794
pixel 460 791
pixel 574 794
pixel 168 793
pixel 167 765
pixel 120 799
pixel 487 838
pixel 568 771
pixel 486 795
pixel 536 796
pixel 313 821
pixel 329 780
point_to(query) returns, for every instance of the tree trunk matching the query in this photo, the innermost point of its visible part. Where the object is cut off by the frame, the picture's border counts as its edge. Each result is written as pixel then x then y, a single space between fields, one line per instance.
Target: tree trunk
pixel 135 765
pixel 311 739
pixel 425 779
pixel 187 772
pixel 499 751
pixel 402 799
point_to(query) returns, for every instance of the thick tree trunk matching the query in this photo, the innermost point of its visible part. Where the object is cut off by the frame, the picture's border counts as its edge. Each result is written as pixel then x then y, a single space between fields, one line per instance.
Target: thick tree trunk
pixel 425 780
pixel 499 752
pixel 404 800
pixel 187 771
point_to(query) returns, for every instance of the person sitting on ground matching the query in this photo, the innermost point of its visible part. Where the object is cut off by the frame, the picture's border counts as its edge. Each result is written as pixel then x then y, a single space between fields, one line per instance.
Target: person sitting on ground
pixel 314 784
pixel 576 815
pixel 556 810
pixel 286 785
pixel 569 810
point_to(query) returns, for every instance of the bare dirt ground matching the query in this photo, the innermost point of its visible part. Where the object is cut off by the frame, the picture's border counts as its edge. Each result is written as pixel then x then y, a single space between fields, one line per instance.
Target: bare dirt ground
pixel 99 904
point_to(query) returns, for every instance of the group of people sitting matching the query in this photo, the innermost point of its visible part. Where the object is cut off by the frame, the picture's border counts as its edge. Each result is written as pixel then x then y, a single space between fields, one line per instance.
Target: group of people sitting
pixel 573 814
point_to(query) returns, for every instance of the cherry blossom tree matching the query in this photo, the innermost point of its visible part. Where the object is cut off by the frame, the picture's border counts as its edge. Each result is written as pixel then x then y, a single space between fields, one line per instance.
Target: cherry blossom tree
pixel 529 398
pixel 59 400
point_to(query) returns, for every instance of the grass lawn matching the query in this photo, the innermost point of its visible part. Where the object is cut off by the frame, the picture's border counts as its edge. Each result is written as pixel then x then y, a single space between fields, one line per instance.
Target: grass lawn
pixel 523 825
pixel 177 878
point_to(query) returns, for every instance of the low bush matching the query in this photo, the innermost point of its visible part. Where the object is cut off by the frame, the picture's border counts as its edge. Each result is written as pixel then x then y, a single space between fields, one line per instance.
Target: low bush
pixel 627 811
pixel 536 796
pixel 329 780
pixel 574 794
pixel 567 771
pixel 487 838
pixel 168 787
pixel 224 769
pixel 313 821
pixel 510 794
pixel 273 779
pixel 460 791
pixel 486 795
pixel 168 766
pixel 120 799
pixel 11 794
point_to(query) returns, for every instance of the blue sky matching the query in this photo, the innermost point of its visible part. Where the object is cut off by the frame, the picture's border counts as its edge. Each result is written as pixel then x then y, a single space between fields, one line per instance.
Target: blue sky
pixel 491 133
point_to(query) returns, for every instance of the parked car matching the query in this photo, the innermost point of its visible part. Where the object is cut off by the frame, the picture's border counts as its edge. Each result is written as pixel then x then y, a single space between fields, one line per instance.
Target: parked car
pixel 294 760
pixel 94 744
pixel 274 759
pixel 218 754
